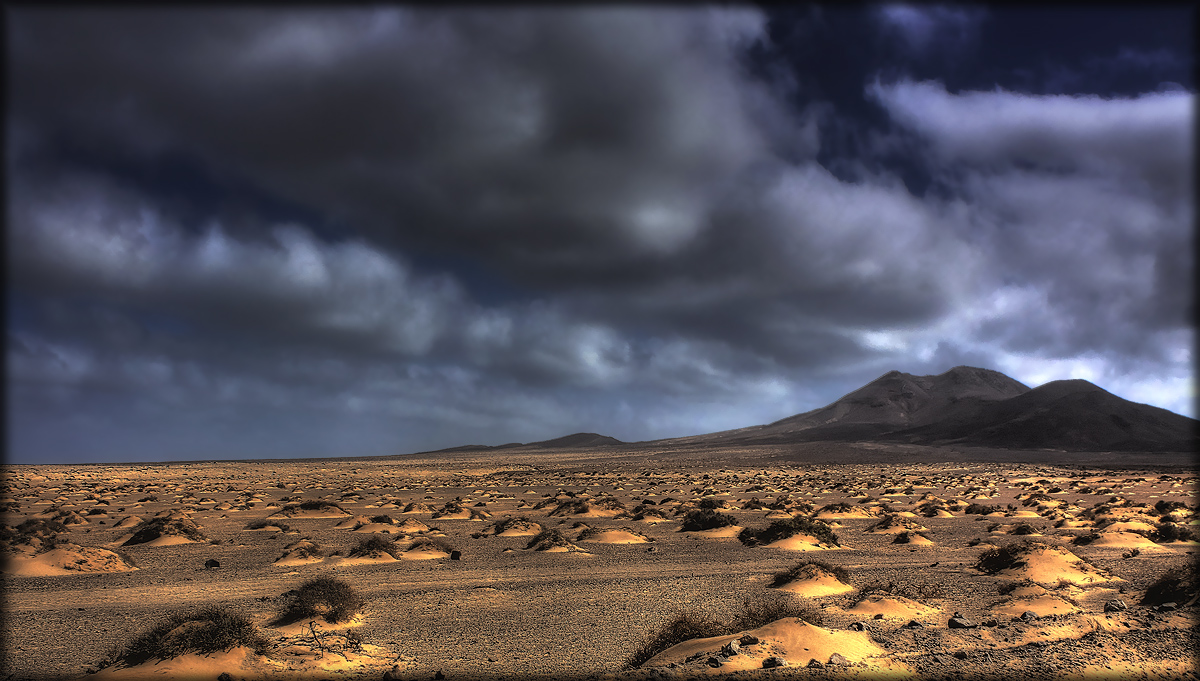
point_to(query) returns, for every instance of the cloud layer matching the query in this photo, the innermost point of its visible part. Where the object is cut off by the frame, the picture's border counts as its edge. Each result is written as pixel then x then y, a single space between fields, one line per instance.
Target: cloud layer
pixel 382 230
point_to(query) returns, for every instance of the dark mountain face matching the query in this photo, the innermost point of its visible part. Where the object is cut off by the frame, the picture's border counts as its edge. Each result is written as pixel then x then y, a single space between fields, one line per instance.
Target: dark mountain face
pixel 969 406
pixel 898 400
pixel 1072 415
pixel 577 440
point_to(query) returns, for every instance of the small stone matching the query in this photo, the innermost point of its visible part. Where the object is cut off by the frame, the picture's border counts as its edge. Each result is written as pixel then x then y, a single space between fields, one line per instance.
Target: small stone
pixel 714 662
pixel 878 616
pixel 225 676
pixel 772 662
pixel 1029 615
pixel 859 626
pixel 456 555
pixel 1168 607
pixel 960 622
pixel 439 675
pixel 913 624
pixel 732 648
pixel 212 563
pixel 814 664
pixel 960 654
pixel 837 659
pixel 748 640
pixel 652 549
pixel 1115 605
pixel 392 674
pixel 993 622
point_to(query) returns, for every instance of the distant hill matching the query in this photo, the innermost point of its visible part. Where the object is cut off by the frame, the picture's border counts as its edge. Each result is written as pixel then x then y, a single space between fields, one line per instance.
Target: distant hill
pixel 977 407
pixel 573 441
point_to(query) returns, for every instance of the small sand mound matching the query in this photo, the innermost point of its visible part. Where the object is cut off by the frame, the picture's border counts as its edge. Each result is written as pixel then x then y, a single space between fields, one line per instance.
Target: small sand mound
pixel 812 580
pixel 128 522
pixel 64 559
pixel 553 541
pixel 729 532
pixel 516 527
pixel 912 539
pixel 1125 540
pixel 425 548
pixel 166 531
pixel 1042 605
pixel 801 542
pixel 311 509
pixel 605 507
pixel 889 606
pixel 351 523
pixel 893 523
pixel 1040 563
pixel 302 552
pixel 412 526
pixel 623 535
pixel 792 639
pixel 452 510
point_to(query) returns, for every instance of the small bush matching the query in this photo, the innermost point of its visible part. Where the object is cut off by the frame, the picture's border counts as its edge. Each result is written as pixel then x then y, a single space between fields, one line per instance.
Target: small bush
pixel 385 518
pixel 1164 507
pixel 318 505
pixel 1023 529
pixel 1179 585
pixel 1085 539
pixel 807 567
pixel 840 507
pixel 373 546
pixel 548 538
pixel 685 626
pixel 782 529
pixel 209 630
pixel 430 544
pixel 263 523
pixel 330 599
pixel 1169 532
pixel 1002 557
pixel 706 519
pixel 980 509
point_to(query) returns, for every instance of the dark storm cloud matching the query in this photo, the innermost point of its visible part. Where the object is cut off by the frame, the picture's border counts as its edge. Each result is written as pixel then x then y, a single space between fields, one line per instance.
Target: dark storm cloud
pixel 429 227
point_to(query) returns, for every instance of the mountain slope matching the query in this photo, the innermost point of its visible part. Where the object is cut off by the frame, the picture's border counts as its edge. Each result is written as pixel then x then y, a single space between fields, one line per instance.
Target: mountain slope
pixel 968 406
pixel 1072 414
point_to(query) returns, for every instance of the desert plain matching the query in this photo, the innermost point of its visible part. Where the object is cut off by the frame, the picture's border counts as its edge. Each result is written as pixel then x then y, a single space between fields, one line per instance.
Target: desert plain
pixel 1079 578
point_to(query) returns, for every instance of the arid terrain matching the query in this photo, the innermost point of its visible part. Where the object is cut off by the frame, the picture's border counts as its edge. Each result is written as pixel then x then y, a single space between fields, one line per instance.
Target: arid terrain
pixel 894 587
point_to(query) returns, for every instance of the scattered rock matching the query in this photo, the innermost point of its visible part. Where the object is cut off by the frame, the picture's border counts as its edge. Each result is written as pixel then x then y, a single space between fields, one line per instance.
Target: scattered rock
pixel 913 624
pixel 732 648
pixel 225 676
pixel 212 563
pixel 992 622
pixel 439 675
pixel 878 616
pixel 714 662
pixel 772 662
pixel 1115 605
pixel 748 640
pixel 960 654
pixel 652 549
pixel 1029 616
pixel 1168 607
pixel 812 664
pixel 839 660
pixel 859 626
pixel 456 555
pixel 960 622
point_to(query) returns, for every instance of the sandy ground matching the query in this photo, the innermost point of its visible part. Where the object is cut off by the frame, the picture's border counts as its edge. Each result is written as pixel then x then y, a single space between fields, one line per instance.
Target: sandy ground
pixel 502 611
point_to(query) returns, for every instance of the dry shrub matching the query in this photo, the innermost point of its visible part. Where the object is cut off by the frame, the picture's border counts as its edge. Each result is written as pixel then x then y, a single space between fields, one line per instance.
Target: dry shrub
pixel 1004 557
pixel 373 546
pixel 706 519
pixel 208 630
pixel 782 529
pixel 1178 585
pixel 808 567
pixel 331 599
pixel 691 624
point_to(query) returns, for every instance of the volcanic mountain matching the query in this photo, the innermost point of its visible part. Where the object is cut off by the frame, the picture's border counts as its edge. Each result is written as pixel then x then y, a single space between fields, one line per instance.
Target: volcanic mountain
pixel 969 406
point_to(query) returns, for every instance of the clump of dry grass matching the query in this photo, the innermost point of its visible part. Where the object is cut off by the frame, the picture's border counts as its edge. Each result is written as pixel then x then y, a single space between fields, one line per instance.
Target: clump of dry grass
pixel 693 624
pixel 330 599
pixel 807 568
pixel 373 546
pixel 782 529
pixel 706 519
pixel 208 630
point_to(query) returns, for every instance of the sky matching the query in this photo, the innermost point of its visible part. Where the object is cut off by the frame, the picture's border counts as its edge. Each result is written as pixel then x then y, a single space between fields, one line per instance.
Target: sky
pixel 243 232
